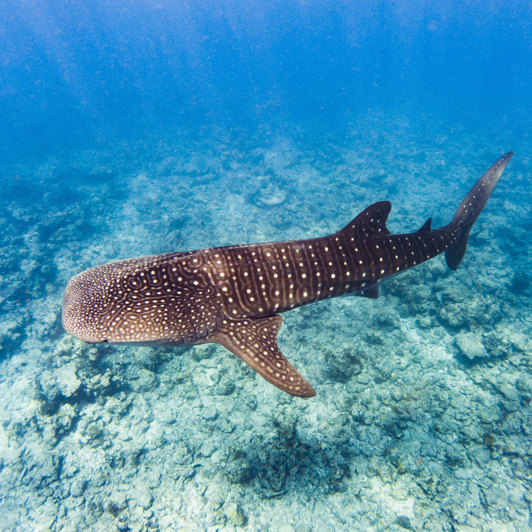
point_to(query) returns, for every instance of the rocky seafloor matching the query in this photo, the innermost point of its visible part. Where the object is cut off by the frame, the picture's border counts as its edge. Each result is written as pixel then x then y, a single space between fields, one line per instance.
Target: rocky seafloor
pixel 422 418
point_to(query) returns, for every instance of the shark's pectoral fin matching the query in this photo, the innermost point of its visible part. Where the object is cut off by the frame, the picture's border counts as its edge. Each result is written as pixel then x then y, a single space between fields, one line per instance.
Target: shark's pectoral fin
pixel 255 342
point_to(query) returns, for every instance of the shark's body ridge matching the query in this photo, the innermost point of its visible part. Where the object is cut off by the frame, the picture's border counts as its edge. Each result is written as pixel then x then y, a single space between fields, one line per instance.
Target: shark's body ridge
pixel 233 295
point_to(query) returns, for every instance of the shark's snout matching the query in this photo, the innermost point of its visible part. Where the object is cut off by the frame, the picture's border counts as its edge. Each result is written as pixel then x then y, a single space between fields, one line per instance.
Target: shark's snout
pixel 78 316
pixel 123 303
pixel 70 304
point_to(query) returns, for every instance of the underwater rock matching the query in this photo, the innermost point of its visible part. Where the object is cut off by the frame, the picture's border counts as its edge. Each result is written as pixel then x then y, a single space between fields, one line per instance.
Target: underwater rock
pixel 528 497
pixel 181 454
pixel 404 522
pixel 148 358
pixel 235 514
pixel 424 322
pixel 388 319
pixel 43 466
pixel 196 166
pixel 66 415
pixel 93 432
pixel 116 503
pixel 102 384
pixel 270 196
pixel 452 316
pixel 489 413
pixel 524 385
pixel 521 282
pixel 264 193
pixel 143 497
pixel 471 346
pixel 67 380
pixel 226 385
pixel 239 469
pixel 452 293
pixel 373 338
pixel 65 346
pixel 47 392
pixel 145 381
pixel 209 412
pixel 215 497
pixel 344 363
pixel 77 487
pixel 280 156
pixel 11 328
pixel 202 352
pixel 510 403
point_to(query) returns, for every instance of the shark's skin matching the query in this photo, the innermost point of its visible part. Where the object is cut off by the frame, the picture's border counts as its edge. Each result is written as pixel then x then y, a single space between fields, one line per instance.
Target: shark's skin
pixel 233 295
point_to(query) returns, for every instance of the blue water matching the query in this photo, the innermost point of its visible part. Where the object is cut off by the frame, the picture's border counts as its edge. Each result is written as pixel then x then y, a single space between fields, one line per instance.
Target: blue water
pixel 135 128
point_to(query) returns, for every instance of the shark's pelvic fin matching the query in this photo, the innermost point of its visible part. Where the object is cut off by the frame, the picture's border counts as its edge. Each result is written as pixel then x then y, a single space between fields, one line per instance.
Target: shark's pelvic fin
pixel 254 340
pixel 371 292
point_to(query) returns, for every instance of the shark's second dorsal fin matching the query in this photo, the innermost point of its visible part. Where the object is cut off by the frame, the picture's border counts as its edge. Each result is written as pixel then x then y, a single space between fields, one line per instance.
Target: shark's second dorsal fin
pixel 370 222
pixel 426 227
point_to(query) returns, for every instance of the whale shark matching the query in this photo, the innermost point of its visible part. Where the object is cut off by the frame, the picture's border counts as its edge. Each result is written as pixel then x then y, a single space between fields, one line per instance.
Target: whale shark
pixel 233 295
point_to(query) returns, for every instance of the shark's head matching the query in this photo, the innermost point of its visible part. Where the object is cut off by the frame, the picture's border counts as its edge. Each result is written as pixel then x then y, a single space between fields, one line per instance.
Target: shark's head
pixel 117 303
pixel 90 309
pixel 146 300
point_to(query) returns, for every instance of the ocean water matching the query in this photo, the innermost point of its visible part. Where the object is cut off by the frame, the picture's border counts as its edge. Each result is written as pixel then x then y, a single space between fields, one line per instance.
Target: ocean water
pixel 136 128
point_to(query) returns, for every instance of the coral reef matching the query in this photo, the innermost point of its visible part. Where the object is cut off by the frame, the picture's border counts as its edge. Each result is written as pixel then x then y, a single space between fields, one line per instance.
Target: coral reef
pixel 422 419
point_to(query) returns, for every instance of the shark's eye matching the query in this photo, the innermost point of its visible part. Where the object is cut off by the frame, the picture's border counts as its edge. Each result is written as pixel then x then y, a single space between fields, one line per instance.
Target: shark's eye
pixel 105 341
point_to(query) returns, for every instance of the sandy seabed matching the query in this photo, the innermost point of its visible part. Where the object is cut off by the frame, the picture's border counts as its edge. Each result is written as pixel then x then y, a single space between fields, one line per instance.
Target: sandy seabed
pixel 422 418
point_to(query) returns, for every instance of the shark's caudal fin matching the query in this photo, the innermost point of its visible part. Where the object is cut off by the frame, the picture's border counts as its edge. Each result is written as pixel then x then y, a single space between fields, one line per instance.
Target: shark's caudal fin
pixel 470 208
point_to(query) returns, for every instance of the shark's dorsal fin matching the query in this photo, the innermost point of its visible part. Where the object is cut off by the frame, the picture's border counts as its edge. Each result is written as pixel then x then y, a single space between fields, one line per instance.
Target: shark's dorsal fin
pixel 370 222
pixel 254 340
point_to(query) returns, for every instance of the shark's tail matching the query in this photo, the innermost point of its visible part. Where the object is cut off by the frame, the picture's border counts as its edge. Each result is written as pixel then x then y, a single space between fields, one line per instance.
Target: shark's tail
pixel 469 210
